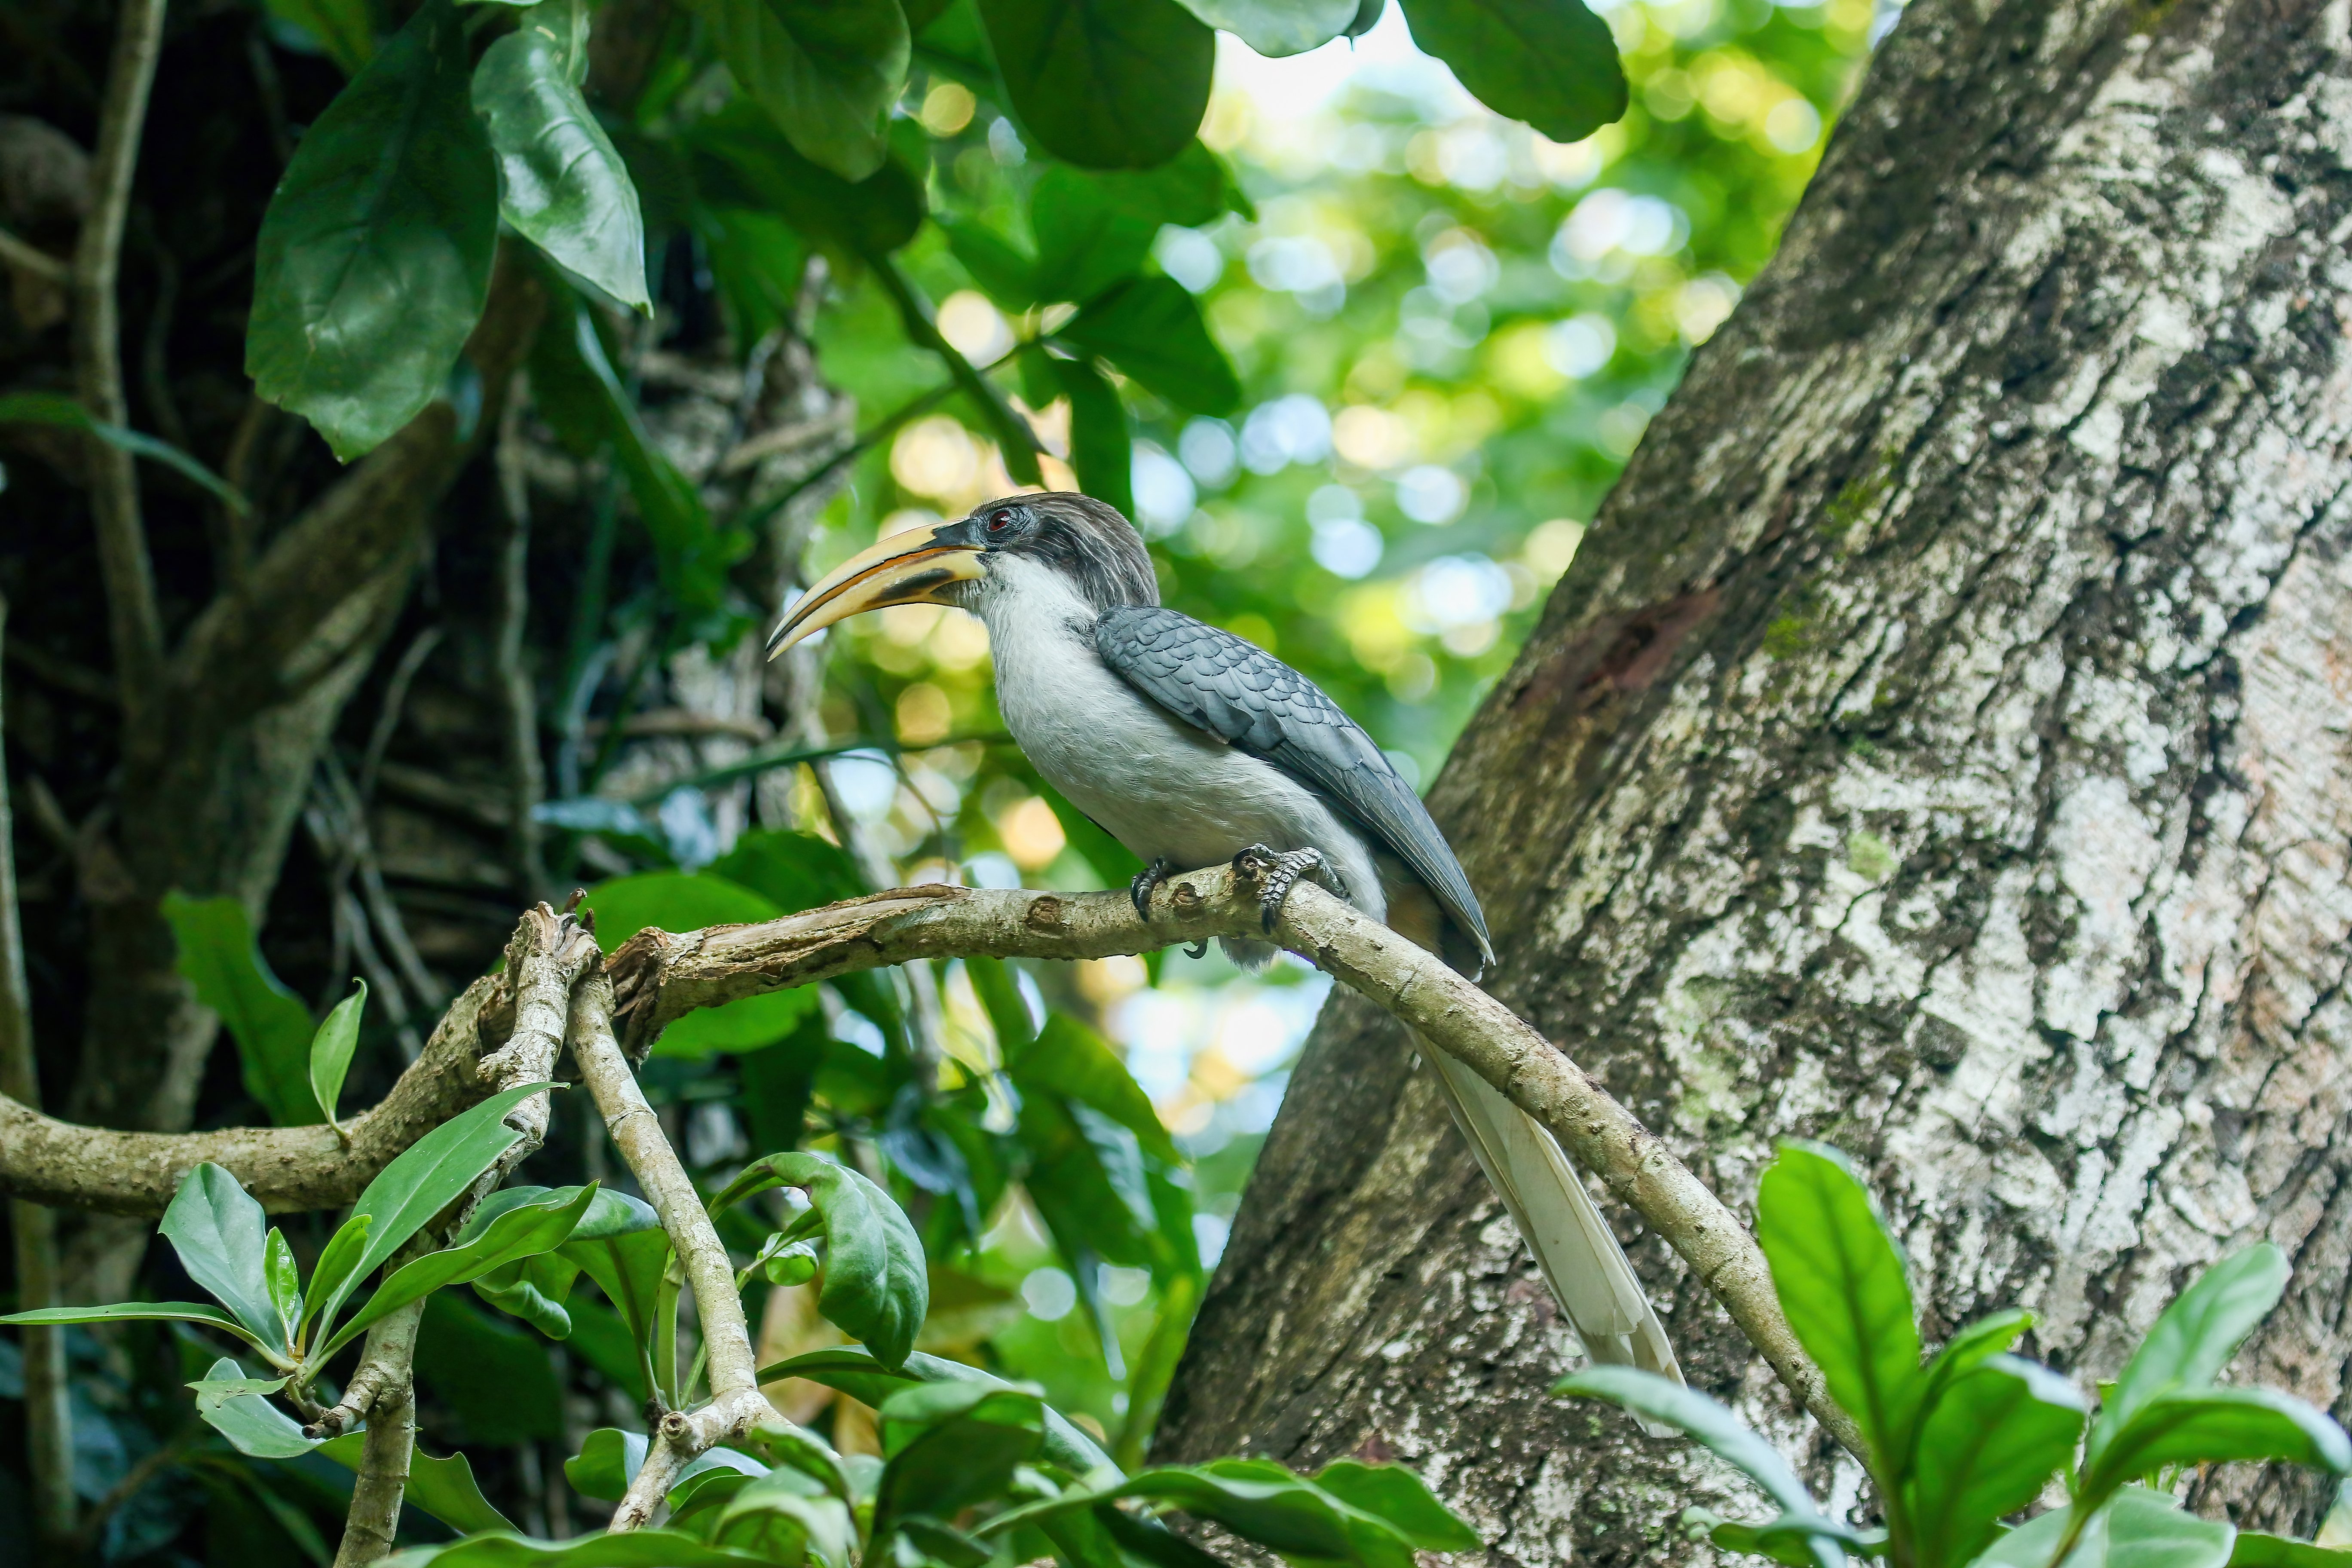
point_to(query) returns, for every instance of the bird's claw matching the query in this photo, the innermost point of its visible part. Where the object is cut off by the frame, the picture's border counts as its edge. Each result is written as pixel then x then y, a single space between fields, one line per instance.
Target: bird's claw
pixel 1276 872
pixel 1146 882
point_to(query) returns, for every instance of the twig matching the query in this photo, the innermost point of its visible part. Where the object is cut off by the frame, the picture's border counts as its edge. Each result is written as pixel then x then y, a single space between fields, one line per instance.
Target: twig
pixel 395 698
pixel 135 623
pixel 16 252
pixel 526 779
pixel 736 1402
pixel 659 977
pixel 48 1414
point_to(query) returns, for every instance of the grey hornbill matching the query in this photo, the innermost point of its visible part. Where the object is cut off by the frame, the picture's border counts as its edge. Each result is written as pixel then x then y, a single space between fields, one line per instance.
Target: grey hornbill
pixel 1193 747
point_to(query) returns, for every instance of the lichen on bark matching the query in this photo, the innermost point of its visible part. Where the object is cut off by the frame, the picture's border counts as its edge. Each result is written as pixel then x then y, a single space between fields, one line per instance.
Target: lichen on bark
pixel 1943 746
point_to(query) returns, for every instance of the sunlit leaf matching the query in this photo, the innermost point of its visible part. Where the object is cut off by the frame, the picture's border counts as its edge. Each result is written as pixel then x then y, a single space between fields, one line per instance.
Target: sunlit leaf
pixel 374 256
pixel 2194 1338
pixel 1277 27
pixel 1990 1443
pixel 2137 1529
pixel 1551 63
pixel 1151 329
pixel 1104 84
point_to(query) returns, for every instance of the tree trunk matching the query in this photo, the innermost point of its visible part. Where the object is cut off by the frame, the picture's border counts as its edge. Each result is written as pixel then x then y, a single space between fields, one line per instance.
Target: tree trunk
pixel 1942 747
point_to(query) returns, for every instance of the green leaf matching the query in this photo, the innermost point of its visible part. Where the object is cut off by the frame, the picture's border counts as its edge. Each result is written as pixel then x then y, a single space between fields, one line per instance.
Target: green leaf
pixel 1551 63
pixel 794 871
pixel 253 1425
pixel 1004 272
pixel 1086 241
pixel 2138 1529
pixel 285 1282
pixel 1991 1442
pixel 637 1549
pixel 446 1489
pixel 1840 1279
pixel 2213 1425
pixel 428 1177
pixel 1104 84
pixel 1101 448
pixel 373 259
pixel 344 28
pixel 1277 27
pixel 1793 1539
pixel 777 1519
pixel 1016 442
pixel 1256 1499
pixel 271 1027
pixel 632 1271
pixel 856 1372
pixel 218 1231
pixel 826 71
pixel 1394 1495
pixel 608 1459
pixel 561 184
pixel 876 1288
pixel 52 408
pixel 789 1444
pixel 2257 1550
pixel 1662 1399
pixel 142 1313
pixel 521 1231
pixel 331 1048
pixel 1969 1348
pixel 1070 1059
pixel 951 1444
pixel 214 1392
pixel 1151 329
pixel 744 162
pixel 336 1262
pixel 497 1379
pixel 524 1300
pixel 2195 1337
pixel 683 900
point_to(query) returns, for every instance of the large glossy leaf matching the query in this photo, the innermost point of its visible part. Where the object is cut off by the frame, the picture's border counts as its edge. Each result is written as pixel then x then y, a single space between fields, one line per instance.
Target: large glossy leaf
pixel 856 1372
pixel 875 1287
pixel 1151 329
pixel 223 1242
pixel 680 901
pixel 446 1489
pixel 1101 448
pixel 52 408
pixel 1086 241
pixel 1990 1443
pixel 1662 1399
pixel 951 1444
pixel 374 256
pixel 332 1047
pixel 632 1271
pixel 427 1178
pixel 745 163
pixel 2211 1425
pixel 336 1262
pixel 561 182
pixel 1969 1348
pixel 1840 1279
pixel 1277 27
pixel 1551 63
pixel 253 1425
pixel 520 1231
pixel 784 1518
pixel 2194 1338
pixel 271 1027
pixel 1104 84
pixel 2137 1529
pixel 1395 1495
pixel 826 71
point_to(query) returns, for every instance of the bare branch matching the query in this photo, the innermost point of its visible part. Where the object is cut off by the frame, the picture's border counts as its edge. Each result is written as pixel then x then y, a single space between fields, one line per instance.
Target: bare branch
pixel 15 252
pixel 526 781
pixel 48 1414
pixel 136 624
pixel 382 1480
pixel 288 1169
pixel 736 1402
pixel 659 976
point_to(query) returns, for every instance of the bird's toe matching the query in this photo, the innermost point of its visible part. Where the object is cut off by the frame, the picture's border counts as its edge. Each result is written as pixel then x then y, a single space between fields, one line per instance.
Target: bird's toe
pixel 1276 872
pixel 1146 882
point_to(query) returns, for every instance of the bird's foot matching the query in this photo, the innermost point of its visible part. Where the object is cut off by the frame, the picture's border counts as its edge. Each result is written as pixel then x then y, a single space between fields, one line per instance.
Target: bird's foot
pixel 1146 882
pixel 1276 872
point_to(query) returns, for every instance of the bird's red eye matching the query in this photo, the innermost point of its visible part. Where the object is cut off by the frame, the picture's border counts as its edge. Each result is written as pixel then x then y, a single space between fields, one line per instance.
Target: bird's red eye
pixel 999 519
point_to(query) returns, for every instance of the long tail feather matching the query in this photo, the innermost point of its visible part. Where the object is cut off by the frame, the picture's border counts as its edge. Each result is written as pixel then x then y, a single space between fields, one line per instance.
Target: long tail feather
pixel 1587 1270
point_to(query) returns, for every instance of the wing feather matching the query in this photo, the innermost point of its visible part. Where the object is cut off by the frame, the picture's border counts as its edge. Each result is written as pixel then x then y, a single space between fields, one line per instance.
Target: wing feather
pixel 1245 696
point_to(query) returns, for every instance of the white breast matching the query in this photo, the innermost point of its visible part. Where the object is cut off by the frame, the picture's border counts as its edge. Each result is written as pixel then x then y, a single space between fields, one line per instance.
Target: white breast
pixel 1157 785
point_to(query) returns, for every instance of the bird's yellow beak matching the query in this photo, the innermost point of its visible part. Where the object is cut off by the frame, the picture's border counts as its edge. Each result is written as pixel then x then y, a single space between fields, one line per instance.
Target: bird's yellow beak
pixel 916 567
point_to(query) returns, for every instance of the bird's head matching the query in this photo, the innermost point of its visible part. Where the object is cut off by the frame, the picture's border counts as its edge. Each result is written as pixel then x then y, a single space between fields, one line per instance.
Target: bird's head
pixel 1095 551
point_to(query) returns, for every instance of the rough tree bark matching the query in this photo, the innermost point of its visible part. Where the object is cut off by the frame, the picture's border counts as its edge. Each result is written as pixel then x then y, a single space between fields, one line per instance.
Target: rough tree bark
pixel 1940 747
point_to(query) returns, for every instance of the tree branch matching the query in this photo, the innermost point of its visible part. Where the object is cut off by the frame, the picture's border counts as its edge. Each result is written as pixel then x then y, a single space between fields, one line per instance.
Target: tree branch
pixel 382 1482
pixel 736 1402
pixel 288 1169
pixel 659 976
pixel 136 624
pixel 48 1414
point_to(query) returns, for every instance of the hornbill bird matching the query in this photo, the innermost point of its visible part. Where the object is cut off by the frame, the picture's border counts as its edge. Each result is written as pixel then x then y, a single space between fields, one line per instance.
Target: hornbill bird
pixel 1193 747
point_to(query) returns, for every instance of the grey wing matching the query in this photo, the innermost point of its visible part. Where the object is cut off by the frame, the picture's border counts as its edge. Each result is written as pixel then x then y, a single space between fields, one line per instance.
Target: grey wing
pixel 1244 695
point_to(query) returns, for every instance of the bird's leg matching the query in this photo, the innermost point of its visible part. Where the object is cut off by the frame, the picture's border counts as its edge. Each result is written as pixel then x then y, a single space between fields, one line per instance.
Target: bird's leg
pixel 1146 882
pixel 1276 872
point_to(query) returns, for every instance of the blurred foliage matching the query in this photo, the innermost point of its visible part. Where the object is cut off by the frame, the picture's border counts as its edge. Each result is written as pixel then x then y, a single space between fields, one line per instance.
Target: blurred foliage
pixel 1362 360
